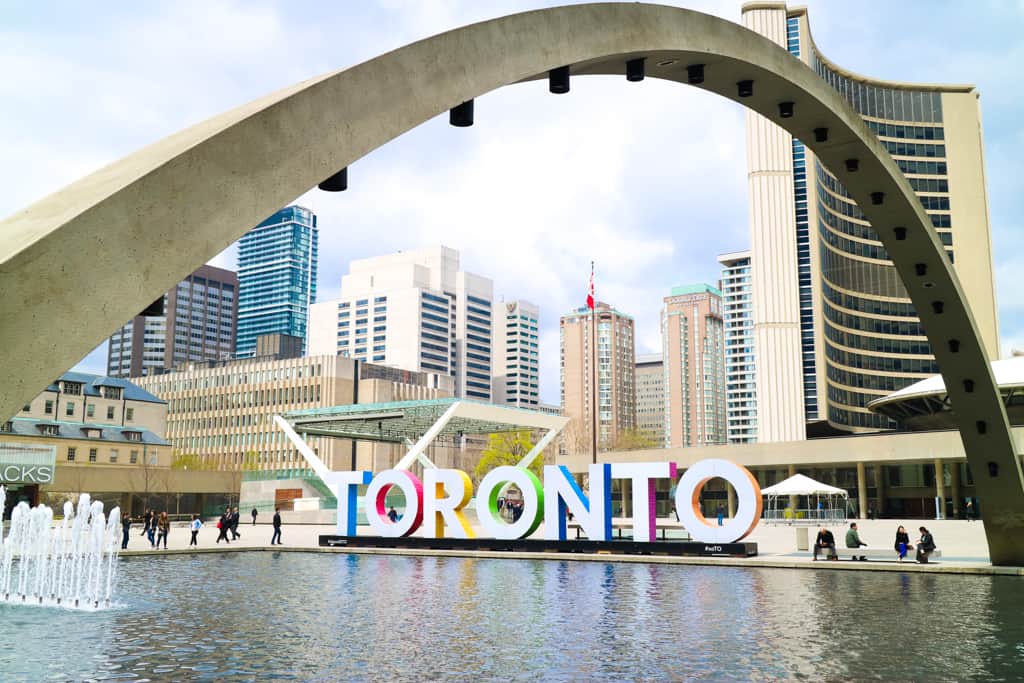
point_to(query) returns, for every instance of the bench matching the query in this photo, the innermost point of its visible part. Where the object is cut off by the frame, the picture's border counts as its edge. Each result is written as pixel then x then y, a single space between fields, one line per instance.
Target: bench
pixel 620 523
pixel 880 554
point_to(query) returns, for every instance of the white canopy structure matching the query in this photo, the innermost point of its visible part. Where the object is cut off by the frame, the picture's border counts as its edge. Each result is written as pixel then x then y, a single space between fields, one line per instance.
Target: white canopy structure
pixel 825 504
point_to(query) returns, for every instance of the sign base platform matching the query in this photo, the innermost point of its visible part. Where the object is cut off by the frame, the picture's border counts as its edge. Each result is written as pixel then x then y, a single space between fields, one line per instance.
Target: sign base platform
pixel 530 545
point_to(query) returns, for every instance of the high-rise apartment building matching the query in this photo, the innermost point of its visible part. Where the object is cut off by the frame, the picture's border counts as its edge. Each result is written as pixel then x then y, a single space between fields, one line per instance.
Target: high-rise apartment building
pixel 693 344
pixel 198 324
pixel 616 375
pixel 650 397
pixel 277 266
pixel 415 310
pixel 737 318
pixel 833 325
pixel 516 354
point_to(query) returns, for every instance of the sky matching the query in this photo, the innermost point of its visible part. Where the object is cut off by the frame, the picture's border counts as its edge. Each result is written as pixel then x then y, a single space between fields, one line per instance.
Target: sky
pixel 647 180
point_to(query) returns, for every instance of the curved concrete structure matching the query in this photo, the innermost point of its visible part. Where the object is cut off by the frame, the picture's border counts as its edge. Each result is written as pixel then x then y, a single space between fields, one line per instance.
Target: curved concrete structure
pixel 924 405
pixel 171 206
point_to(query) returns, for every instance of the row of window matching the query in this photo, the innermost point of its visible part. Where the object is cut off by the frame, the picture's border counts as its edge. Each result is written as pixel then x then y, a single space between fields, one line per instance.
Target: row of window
pixel 908 347
pixel 264 397
pixel 114 455
pixel 890 130
pixel 881 102
pixel 914 149
pixel 881 363
pixel 90 410
pixel 872 324
pixel 170 384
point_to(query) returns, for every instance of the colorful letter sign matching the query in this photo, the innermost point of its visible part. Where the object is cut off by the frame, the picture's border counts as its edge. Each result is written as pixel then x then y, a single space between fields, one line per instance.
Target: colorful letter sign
pixel 438 502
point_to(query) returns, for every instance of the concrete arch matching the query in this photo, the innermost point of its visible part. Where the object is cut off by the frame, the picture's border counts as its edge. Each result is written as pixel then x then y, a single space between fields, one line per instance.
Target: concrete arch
pixel 169 207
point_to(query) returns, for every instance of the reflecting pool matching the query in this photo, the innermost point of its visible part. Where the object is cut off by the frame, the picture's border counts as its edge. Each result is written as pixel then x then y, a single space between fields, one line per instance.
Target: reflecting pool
pixel 329 617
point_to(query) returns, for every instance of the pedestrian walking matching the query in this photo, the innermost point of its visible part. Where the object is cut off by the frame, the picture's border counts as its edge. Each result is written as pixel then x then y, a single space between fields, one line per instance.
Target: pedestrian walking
pixel 969 510
pixel 254 512
pixel 126 524
pixel 146 518
pixel 720 514
pixel 276 538
pixel 234 525
pixel 164 526
pixel 151 532
pixel 222 524
pixel 195 526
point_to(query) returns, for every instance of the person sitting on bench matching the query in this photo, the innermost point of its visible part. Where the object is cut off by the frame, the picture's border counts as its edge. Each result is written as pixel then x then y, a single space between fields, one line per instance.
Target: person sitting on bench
pixel 825 540
pixel 925 546
pixel 853 540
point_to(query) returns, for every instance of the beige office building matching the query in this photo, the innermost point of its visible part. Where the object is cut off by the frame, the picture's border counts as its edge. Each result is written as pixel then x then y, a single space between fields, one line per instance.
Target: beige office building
pixel 650 397
pixel 693 341
pixel 221 412
pixel 616 375
pixel 834 328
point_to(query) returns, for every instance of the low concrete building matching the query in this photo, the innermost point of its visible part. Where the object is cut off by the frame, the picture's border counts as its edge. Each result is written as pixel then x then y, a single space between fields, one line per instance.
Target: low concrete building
pixel 100 435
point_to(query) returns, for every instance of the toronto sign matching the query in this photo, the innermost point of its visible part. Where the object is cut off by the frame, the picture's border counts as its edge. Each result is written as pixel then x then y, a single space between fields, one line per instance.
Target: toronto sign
pixel 436 504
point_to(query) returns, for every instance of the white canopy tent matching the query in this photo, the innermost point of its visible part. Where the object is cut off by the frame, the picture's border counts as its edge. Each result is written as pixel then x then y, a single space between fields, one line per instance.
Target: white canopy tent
pixel 825 504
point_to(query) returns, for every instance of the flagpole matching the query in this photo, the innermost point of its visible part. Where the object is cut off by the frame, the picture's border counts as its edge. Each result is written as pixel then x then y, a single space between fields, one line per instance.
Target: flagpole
pixel 593 370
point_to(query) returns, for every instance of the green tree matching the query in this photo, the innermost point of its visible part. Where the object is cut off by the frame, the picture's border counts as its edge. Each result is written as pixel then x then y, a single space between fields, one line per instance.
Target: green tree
pixel 507 448
pixel 250 463
pixel 189 461
pixel 632 440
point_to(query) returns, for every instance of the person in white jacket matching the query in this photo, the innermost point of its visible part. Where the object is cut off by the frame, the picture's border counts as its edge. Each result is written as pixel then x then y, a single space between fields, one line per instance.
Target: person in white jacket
pixel 195 526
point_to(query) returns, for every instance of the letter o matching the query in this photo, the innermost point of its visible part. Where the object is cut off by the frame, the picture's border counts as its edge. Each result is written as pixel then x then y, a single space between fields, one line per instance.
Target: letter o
pixel 377 491
pixel 748 501
pixel 487 502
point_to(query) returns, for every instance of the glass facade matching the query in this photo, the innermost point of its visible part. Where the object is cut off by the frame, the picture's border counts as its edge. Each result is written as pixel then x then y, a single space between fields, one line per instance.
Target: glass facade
pixel 803 252
pixel 873 341
pixel 277 269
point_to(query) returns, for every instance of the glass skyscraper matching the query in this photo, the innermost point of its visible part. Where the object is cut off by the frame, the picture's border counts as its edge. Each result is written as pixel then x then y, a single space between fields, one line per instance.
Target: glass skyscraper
pixel 277 264
pixel 826 297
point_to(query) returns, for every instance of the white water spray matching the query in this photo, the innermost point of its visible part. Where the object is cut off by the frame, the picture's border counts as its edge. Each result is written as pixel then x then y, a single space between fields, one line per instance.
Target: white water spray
pixel 72 565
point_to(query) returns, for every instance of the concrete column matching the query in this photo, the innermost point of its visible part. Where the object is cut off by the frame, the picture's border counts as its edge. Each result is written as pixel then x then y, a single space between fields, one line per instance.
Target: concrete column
pixel 732 500
pixel 940 488
pixel 792 499
pixel 880 487
pixel 862 491
pixel 954 485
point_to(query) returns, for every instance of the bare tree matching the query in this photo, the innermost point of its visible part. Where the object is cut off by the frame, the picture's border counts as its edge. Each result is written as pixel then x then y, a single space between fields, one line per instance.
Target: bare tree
pixel 250 463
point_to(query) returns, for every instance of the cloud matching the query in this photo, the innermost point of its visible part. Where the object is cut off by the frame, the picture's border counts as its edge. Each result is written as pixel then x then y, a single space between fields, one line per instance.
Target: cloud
pixel 648 180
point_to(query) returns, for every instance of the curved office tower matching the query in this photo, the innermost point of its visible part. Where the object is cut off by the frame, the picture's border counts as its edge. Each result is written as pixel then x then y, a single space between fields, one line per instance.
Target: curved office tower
pixel 827 299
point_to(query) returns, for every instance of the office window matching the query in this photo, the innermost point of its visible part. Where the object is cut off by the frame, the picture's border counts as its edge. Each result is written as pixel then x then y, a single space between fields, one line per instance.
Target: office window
pixel 129 414
pixel 28 407
pixel 49 408
pixel 69 409
pixel 90 409
pixel 92 455
pixel 133 457
pixel 71 453
pixel 110 412
pixel 113 455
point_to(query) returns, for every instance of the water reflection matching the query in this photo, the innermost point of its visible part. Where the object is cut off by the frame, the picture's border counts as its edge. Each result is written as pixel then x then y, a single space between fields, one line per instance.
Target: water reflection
pixel 288 616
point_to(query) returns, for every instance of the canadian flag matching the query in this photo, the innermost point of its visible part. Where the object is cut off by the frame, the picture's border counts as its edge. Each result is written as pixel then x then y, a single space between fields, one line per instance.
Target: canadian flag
pixel 590 289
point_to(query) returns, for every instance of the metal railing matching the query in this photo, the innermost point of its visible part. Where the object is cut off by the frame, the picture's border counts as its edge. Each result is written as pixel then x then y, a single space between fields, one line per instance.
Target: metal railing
pixel 809 516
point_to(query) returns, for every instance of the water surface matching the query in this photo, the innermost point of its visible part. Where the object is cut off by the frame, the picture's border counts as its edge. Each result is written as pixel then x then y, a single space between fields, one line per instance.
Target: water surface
pixel 327 617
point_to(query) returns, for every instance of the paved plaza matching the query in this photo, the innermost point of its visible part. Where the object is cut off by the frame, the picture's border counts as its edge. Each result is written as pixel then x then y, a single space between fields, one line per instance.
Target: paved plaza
pixel 962 545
